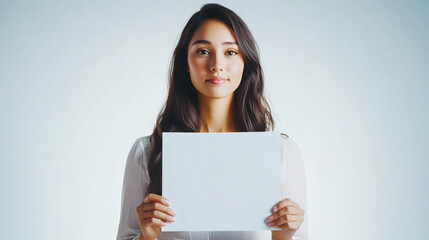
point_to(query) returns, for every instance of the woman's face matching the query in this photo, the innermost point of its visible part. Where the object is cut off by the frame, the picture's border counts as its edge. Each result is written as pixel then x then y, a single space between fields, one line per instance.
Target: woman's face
pixel 215 61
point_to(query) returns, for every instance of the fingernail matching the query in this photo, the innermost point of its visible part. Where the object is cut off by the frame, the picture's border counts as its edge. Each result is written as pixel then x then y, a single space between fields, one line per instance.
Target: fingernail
pixel 172 219
pixel 166 201
pixel 269 218
pixel 270 224
pixel 275 209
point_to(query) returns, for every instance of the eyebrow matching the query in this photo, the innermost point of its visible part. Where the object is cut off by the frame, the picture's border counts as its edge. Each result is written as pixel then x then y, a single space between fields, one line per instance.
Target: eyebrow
pixel 208 42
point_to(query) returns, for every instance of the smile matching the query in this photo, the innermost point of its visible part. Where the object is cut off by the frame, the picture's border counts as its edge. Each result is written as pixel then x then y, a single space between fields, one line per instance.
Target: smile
pixel 217 80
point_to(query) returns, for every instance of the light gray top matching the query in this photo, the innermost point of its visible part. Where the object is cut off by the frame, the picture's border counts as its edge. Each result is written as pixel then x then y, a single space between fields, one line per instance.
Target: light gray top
pixel 136 182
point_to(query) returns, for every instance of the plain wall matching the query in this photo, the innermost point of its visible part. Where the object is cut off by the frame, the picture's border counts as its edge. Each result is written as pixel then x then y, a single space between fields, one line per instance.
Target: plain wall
pixel 81 80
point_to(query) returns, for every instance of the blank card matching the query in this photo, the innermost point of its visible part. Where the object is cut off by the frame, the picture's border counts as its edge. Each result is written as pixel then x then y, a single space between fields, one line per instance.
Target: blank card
pixel 221 181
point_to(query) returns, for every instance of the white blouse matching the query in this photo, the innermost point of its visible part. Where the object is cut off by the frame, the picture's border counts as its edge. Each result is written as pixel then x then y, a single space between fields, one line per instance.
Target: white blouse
pixel 135 190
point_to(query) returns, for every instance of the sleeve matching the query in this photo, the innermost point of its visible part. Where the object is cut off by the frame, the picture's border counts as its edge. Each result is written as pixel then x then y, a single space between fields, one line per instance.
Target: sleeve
pixel 294 181
pixel 134 190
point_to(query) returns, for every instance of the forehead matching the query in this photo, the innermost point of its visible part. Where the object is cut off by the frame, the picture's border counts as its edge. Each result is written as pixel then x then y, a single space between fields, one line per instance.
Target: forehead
pixel 214 31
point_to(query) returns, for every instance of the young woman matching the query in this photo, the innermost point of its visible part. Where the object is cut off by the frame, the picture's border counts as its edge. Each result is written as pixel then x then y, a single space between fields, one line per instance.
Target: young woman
pixel 216 85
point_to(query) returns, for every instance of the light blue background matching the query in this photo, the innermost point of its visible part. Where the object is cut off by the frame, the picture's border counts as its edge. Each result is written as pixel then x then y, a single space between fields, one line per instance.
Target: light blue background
pixel 81 80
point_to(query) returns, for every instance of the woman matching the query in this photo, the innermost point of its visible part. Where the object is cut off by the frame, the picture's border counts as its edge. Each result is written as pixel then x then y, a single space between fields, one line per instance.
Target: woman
pixel 216 85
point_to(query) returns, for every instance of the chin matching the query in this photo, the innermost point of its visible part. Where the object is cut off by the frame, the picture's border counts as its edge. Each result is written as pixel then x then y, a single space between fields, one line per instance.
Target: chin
pixel 217 95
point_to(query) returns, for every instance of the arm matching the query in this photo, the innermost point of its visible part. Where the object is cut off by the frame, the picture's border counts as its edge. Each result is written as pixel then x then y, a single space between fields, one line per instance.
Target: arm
pixel 134 190
pixel 293 185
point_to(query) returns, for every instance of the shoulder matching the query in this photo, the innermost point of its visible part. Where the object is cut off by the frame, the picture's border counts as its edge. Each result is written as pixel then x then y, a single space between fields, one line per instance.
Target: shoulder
pixel 139 151
pixel 288 143
pixel 290 149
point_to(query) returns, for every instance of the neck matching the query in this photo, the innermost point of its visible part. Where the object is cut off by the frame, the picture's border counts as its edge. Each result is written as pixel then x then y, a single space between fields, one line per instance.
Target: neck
pixel 216 114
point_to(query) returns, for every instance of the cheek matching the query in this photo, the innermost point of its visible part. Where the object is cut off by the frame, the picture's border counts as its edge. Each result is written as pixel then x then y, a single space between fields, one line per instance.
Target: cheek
pixel 236 69
pixel 196 66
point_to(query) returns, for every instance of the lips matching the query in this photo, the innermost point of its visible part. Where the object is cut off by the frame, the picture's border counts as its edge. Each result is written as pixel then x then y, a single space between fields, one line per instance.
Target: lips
pixel 217 80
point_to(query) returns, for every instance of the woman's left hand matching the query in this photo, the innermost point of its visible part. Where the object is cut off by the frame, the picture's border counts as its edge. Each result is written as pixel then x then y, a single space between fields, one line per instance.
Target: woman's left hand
pixel 288 216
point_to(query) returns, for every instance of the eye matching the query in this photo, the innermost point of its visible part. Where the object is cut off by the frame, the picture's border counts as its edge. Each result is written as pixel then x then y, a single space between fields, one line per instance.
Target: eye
pixel 202 51
pixel 232 53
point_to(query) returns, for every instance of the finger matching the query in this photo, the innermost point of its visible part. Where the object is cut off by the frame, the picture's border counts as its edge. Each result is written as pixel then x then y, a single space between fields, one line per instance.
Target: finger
pixel 283 203
pixel 284 219
pixel 291 225
pixel 158 206
pixel 153 221
pixel 288 210
pixel 157 214
pixel 151 197
pixel 148 222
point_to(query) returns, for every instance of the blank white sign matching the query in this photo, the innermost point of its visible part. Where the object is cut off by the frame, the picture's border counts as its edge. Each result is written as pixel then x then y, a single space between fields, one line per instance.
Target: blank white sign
pixel 221 181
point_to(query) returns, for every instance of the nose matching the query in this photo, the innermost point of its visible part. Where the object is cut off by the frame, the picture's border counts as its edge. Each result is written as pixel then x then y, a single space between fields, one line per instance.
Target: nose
pixel 216 64
pixel 216 68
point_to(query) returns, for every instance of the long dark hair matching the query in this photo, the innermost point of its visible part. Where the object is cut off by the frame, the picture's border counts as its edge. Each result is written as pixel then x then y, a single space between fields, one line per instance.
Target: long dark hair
pixel 180 113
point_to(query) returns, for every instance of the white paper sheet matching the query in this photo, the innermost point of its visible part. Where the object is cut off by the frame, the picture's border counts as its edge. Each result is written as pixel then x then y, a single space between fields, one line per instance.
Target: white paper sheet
pixel 221 181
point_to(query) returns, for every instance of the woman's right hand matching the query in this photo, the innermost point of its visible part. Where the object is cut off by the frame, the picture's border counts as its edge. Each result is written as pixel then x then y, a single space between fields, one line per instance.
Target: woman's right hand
pixel 153 214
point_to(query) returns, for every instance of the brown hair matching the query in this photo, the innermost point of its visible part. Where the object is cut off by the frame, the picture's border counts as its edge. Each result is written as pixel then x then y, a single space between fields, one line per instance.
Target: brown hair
pixel 180 113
